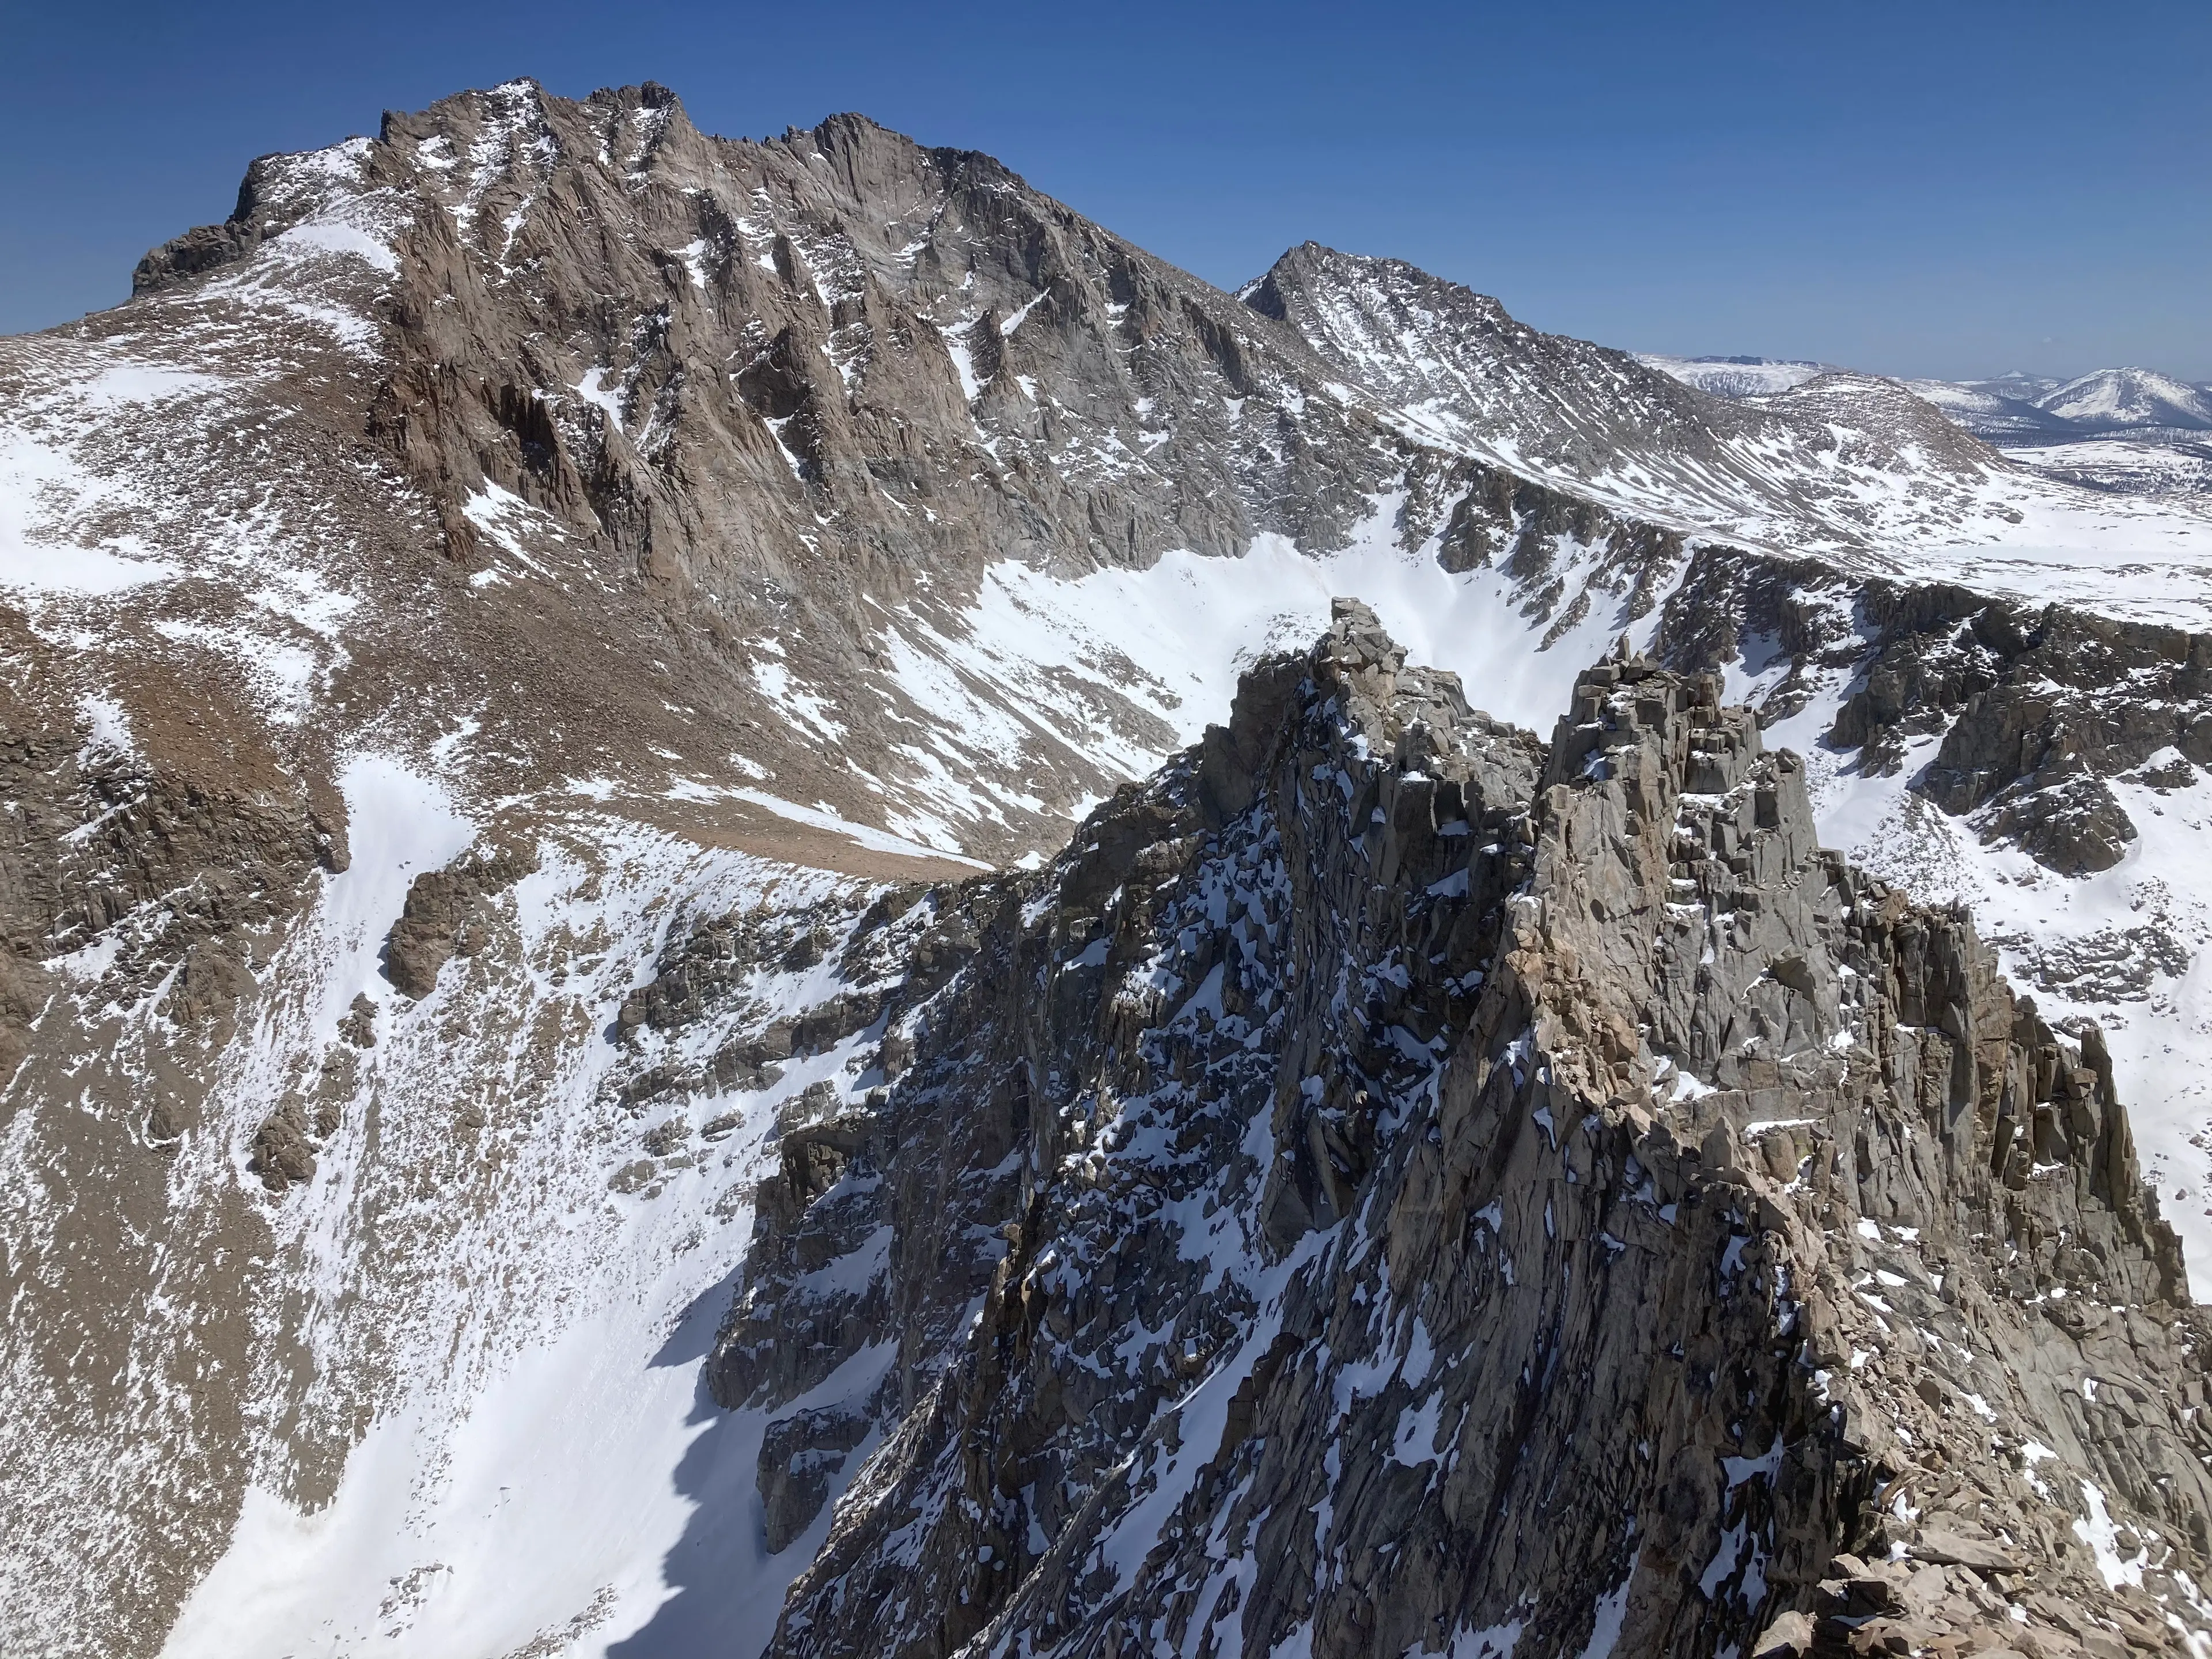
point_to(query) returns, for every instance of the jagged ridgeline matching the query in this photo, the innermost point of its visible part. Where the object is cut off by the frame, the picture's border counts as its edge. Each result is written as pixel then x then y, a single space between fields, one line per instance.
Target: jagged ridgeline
pixel 1390 1188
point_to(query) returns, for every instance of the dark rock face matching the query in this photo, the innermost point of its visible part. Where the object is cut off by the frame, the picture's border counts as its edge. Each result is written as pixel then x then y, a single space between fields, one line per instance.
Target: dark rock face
pixel 447 915
pixel 1393 1185
pixel 206 247
pixel 798 1457
pixel 203 248
pixel 281 1153
pixel 2033 748
pixel 1000 1092
pixel 271 200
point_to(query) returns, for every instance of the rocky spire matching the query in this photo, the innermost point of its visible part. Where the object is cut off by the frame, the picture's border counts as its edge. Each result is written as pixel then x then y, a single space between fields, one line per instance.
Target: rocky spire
pixel 1394 1187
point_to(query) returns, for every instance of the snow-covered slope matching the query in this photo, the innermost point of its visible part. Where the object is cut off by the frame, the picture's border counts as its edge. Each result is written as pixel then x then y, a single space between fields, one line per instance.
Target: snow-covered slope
pixel 503 1442
pixel 2113 398
pixel 2159 464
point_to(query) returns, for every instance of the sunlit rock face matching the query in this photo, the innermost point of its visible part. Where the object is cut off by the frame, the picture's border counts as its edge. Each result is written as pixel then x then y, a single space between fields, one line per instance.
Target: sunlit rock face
pixel 1390 1186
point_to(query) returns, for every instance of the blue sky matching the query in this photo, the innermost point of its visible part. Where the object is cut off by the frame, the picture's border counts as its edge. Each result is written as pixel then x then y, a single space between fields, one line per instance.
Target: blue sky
pixel 1948 189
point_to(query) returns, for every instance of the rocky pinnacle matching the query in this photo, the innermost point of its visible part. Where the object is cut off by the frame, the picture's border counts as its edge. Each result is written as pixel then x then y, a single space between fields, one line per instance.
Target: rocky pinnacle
pixel 1392 1186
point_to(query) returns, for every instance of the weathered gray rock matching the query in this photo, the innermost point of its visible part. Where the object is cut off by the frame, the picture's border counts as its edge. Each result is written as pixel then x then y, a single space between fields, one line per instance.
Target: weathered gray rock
pixel 799 1455
pixel 1788 1636
pixel 282 1154
pixel 1419 1184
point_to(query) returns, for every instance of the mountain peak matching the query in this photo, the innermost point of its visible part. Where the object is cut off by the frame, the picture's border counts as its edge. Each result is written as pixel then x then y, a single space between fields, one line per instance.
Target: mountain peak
pixel 1313 274
pixel 2129 397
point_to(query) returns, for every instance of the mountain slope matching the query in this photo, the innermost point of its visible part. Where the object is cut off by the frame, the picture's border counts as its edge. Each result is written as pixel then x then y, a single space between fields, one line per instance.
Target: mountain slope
pixel 499 626
pixel 1849 466
pixel 1462 373
pixel 2127 398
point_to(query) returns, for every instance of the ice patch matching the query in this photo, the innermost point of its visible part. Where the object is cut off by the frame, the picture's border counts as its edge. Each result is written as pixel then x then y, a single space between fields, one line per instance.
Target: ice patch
pixel 399 824
pixel 1612 1608
pixel 1015 319
pixel 593 389
pixel 41 487
pixel 108 728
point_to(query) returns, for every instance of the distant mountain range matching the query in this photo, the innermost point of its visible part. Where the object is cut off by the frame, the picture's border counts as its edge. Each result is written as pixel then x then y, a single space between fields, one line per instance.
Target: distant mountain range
pixel 2132 431
pixel 2102 401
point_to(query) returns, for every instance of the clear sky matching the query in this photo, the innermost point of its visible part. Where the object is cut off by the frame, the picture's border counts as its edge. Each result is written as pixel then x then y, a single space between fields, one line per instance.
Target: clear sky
pixel 1948 189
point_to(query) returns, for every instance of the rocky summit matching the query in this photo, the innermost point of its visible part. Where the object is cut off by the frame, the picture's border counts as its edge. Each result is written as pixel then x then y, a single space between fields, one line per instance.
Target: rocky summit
pixel 756 899
pixel 1394 1186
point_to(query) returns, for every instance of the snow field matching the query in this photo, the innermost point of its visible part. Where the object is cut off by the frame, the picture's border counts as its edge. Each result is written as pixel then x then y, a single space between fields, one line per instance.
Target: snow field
pixel 542 1464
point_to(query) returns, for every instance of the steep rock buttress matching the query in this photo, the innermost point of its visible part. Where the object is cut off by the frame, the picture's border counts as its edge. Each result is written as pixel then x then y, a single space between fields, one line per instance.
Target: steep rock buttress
pixel 1393 1188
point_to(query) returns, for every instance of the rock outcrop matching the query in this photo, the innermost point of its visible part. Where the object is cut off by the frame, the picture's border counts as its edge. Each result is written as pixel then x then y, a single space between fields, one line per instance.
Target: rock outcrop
pixel 445 917
pixel 1394 1186
pixel 2009 708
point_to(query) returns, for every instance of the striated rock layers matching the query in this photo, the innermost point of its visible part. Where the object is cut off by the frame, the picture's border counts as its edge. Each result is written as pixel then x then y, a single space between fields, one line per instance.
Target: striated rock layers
pixel 1393 1187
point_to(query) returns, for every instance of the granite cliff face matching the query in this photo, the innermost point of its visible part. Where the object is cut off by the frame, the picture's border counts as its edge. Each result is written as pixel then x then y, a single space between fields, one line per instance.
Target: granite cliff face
pixel 1392 1188
pixel 512 637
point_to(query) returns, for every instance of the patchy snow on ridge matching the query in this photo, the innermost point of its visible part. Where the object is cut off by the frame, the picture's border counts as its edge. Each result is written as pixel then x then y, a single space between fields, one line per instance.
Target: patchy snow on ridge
pixel 1853 467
